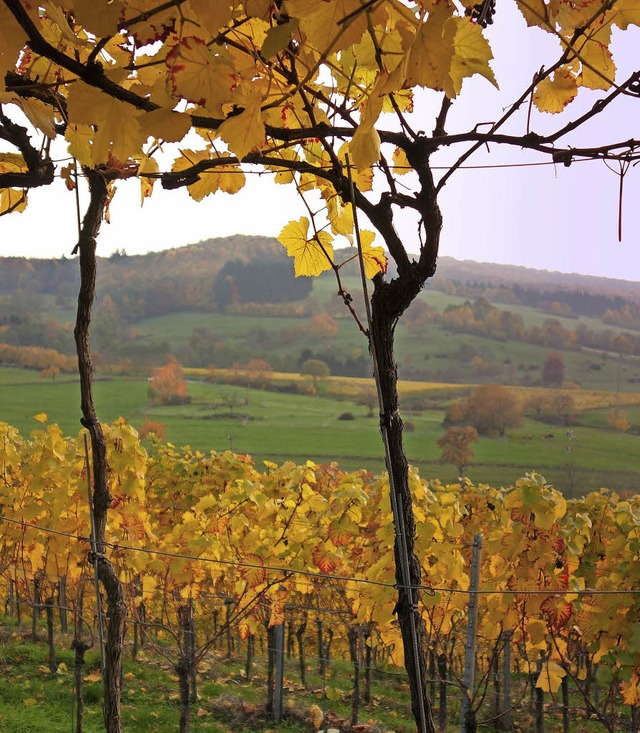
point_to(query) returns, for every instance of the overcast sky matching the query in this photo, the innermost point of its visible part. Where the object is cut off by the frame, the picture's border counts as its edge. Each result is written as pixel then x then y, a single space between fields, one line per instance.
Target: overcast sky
pixel 548 217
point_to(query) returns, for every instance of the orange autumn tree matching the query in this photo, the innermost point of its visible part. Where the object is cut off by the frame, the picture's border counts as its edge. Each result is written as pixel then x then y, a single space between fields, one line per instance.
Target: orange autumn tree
pixel 327 97
pixel 168 386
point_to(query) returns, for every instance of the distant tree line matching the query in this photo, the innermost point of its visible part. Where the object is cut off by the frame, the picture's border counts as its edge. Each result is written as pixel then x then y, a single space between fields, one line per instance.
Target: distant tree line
pixel 482 318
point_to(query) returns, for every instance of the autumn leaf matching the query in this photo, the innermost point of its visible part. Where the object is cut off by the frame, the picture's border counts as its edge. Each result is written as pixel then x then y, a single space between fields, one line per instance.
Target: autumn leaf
pixel 165 124
pixel 254 572
pixel 147 166
pixel 214 15
pixel 432 50
pixel 322 24
pixel 550 677
pixel 94 676
pixel 100 17
pixel 556 610
pixel 226 178
pixel 324 559
pixel 630 690
pixel 40 417
pixel 245 132
pixel 375 260
pixel 12 39
pixel 342 531
pixel 119 134
pixel 200 75
pixel 554 93
pixel 472 53
pixel 312 255
pixel 278 38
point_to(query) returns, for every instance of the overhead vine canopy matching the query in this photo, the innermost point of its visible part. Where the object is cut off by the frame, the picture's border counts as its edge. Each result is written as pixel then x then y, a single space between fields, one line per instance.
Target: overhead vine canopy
pixel 291 85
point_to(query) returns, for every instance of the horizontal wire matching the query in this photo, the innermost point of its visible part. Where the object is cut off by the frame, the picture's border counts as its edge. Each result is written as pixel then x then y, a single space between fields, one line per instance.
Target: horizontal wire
pixel 329 576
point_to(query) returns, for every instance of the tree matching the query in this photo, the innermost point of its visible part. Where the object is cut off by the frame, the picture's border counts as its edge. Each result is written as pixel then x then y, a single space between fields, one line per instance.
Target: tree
pixel 298 89
pixel 168 386
pixel 553 370
pixel 456 446
pixel 490 408
pixel 316 369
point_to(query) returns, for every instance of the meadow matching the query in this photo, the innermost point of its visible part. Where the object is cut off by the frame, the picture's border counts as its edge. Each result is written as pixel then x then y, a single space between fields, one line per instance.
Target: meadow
pixel 332 427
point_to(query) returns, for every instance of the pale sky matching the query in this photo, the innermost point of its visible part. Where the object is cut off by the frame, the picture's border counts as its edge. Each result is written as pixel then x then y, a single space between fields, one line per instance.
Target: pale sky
pixel 548 217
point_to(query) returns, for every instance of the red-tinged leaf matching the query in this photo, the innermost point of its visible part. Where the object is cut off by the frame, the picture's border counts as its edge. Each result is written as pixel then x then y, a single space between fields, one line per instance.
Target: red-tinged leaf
pixel 342 532
pixel 254 573
pixel 201 76
pixel 557 611
pixel 324 559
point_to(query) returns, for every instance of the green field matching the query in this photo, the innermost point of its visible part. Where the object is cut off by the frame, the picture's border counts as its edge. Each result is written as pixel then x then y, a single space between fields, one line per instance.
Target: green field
pixel 279 426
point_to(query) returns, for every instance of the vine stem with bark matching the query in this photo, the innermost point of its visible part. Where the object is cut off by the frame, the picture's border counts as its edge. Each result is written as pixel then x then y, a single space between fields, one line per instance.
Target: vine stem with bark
pixel 116 607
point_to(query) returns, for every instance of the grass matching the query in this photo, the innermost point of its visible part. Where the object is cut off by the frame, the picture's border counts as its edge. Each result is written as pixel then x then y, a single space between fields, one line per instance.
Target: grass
pixel 34 700
pixel 280 426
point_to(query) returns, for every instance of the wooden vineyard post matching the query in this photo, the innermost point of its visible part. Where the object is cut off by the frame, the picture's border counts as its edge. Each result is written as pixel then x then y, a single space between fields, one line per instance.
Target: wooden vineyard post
pixel 539 701
pixel 62 604
pixel 248 667
pixel 321 665
pixel 79 647
pixel 467 715
pixel 565 701
pixel 505 718
pixel 278 682
pixel 48 604
pixel 442 692
pixel 11 598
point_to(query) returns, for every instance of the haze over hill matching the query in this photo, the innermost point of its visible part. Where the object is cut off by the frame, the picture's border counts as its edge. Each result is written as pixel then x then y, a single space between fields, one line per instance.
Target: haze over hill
pixel 227 301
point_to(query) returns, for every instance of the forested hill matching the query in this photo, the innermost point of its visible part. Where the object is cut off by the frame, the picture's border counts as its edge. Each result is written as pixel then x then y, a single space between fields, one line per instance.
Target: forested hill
pixel 215 272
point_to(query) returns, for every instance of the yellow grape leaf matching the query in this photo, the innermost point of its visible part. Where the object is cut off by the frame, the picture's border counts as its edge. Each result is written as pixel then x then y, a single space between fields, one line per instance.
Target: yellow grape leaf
pixel 79 138
pixel 625 13
pixel 630 691
pixel 374 258
pixel 321 22
pixel 12 39
pixel 401 165
pixel 147 165
pixel 100 17
pixel 258 8
pixel 245 132
pixel 165 124
pixel 94 676
pixel 29 701
pixel 472 53
pixel 41 115
pixel 40 417
pixel 550 677
pixel 129 676
pixel 432 51
pixel 278 38
pixel 555 93
pixel 340 215
pixel 598 67
pixel 365 146
pixel 312 255
pixel 535 12
pixel 537 631
pixel 227 178
pixel 119 134
pixel 214 15
pixel 12 199
pixel 201 76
